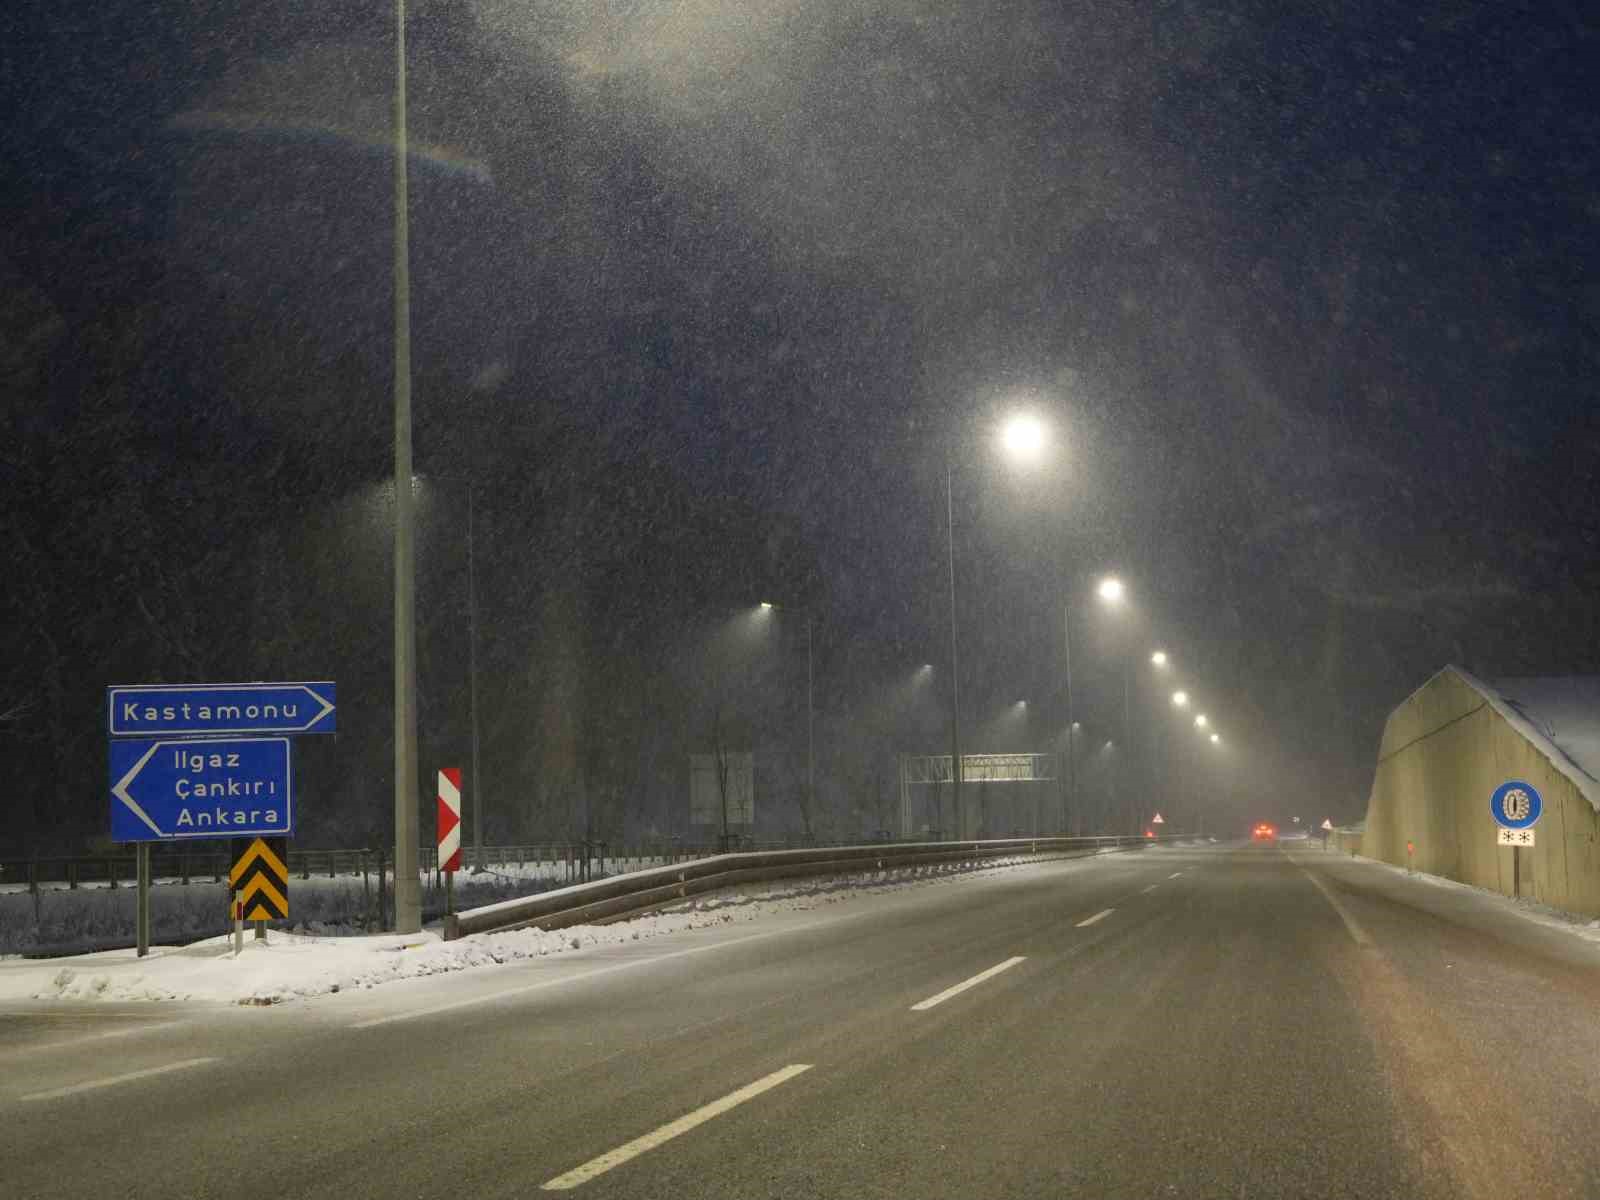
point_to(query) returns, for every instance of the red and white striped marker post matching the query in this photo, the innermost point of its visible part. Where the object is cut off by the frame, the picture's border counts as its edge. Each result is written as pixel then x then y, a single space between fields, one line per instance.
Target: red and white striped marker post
pixel 449 831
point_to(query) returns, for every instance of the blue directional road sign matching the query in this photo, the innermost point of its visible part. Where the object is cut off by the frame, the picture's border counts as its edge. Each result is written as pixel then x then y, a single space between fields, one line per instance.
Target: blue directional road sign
pixel 152 710
pixel 171 788
pixel 1515 805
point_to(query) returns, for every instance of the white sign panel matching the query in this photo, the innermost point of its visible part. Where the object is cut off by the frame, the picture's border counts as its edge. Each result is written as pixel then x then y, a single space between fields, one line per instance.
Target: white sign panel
pixel 706 787
pixel 1514 837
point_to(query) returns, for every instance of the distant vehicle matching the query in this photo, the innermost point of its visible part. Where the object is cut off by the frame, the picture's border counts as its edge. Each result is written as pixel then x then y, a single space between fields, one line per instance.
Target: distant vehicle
pixel 1264 833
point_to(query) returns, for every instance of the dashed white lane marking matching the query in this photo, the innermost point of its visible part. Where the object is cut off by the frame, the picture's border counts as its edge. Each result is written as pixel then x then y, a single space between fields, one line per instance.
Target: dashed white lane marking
pixel 113 1080
pixel 560 981
pixel 924 1005
pixel 1099 916
pixel 1149 889
pixel 1350 923
pixel 69 1043
pixel 1175 874
pixel 639 1145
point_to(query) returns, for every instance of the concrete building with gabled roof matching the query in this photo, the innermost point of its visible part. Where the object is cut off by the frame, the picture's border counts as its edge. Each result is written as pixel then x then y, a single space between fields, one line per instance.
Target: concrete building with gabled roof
pixel 1451 743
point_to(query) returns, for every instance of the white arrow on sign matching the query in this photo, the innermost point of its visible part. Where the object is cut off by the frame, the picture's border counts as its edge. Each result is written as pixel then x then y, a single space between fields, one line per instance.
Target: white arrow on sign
pixel 120 791
pixel 1157 820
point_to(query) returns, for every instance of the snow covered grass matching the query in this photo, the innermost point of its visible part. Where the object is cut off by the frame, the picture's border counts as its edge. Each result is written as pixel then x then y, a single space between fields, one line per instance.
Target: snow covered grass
pixel 93 916
pixel 303 964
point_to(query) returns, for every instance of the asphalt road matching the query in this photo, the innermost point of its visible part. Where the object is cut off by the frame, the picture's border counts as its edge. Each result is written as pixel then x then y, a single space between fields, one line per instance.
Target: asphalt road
pixel 1233 1022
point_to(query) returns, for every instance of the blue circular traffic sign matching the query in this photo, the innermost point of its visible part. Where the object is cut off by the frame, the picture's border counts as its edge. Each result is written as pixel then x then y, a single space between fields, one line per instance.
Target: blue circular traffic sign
pixel 1515 804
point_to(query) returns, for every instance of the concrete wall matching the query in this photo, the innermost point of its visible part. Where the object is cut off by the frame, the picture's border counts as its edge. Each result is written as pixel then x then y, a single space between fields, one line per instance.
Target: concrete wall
pixel 1444 752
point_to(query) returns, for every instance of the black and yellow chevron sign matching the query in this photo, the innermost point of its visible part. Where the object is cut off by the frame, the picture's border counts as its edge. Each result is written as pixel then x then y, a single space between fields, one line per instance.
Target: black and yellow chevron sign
pixel 260 878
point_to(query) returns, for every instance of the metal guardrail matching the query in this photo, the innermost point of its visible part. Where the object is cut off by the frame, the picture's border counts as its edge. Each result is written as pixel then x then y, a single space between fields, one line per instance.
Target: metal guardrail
pixel 638 891
pixel 203 860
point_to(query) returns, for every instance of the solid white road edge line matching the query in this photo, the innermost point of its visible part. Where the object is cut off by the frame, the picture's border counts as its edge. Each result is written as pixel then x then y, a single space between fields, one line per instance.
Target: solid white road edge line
pixel 112 1081
pixel 1350 923
pixel 924 1005
pixel 615 1158
pixel 566 979
pixel 1099 916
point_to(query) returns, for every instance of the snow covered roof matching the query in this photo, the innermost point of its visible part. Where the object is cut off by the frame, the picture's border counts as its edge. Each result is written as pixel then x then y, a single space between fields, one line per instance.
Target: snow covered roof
pixel 1560 715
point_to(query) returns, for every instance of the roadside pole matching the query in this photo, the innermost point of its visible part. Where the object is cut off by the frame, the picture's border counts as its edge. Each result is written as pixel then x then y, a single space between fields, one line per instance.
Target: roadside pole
pixel 449 832
pixel 142 920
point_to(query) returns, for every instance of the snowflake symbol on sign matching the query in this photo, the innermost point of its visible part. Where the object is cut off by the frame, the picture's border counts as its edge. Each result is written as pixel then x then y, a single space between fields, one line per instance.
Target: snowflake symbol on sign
pixel 1516 805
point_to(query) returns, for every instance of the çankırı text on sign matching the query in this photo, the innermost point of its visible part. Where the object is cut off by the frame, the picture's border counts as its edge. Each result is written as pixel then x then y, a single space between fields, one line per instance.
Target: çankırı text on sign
pixel 197 788
pixel 214 708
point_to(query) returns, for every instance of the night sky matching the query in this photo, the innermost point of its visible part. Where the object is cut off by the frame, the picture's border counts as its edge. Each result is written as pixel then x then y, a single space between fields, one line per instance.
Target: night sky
pixel 706 295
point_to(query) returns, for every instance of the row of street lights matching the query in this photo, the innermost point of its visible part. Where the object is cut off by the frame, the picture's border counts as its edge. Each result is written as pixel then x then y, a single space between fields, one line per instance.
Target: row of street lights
pixel 1023 438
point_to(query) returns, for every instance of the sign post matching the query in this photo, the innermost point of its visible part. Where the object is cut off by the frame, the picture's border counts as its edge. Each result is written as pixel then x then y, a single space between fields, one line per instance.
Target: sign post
pixel 449 831
pixel 1516 807
pixel 142 911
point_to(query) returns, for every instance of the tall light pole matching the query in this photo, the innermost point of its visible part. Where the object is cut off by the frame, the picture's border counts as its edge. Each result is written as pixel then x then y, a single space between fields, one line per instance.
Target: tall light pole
pixel 955 686
pixel 472 686
pixel 811 709
pixel 1023 437
pixel 1072 756
pixel 1162 662
pixel 475 780
pixel 407 886
pixel 1111 592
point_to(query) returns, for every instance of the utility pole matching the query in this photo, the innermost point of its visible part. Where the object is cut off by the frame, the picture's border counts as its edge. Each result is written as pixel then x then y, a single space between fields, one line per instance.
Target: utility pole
pixel 472 686
pixel 955 686
pixel 811 725
pixel 407 888
pixel 1127 738
pixel 1072 782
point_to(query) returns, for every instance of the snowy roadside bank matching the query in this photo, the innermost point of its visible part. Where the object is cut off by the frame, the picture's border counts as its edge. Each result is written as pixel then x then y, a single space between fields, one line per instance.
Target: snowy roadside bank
pixel 1575 925
pixel 96 915
pixel 294 966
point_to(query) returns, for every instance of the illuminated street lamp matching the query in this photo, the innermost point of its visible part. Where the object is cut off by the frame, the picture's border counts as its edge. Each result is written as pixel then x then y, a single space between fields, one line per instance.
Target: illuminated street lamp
pixel 1159 658
pixel 811 721
pixel 1022 438
pixel 1181 699
pixel 1201 722
pixel 1111 590
pixel 1216 739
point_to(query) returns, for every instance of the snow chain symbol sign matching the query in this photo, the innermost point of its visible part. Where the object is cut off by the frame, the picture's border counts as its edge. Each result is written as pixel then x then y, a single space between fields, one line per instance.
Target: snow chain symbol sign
pixel 1515 805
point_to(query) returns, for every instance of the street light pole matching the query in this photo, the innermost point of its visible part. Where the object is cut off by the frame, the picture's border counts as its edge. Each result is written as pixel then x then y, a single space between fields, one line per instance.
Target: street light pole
pixel 1072 781
pixel 955 686
pixel 1127 736
pixel 407 887
pixel 811 723
pixel 472 685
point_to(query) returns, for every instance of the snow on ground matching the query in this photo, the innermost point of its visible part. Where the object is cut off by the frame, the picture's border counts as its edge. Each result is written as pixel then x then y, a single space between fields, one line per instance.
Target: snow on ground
pixel 293 966
pixel 94 915
pixel 1528 910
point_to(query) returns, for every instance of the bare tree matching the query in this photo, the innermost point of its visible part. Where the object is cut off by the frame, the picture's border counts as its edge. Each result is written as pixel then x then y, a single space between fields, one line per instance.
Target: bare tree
pixel 14 710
